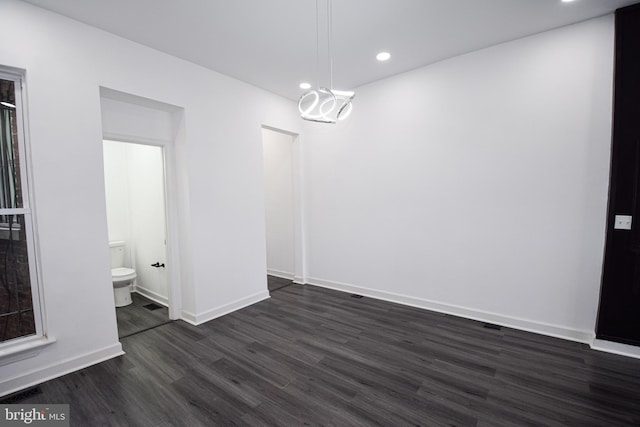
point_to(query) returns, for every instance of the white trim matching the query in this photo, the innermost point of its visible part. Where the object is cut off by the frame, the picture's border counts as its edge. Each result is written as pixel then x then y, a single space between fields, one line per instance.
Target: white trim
pixel 556 331
pixel 72 364
pixel 25 348
pixel 153 296
pixel 16 211
pixel 172 224
pixel 142 140
pixel 281 274
pixel 299 222
pixel 198 319
pixel 616 348
pixel 26 187
pixel 297 177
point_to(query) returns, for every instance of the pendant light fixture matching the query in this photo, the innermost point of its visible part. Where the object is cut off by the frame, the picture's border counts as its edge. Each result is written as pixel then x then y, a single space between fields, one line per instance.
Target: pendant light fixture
pixel 325 105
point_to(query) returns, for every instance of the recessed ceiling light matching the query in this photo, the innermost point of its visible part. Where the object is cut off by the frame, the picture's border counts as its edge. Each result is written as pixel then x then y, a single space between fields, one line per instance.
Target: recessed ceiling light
pixel 383 56
pixel 567 1
pixel 305 86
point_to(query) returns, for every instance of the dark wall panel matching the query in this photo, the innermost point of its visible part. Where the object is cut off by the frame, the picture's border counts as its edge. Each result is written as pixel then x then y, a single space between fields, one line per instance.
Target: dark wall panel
pixel 619 312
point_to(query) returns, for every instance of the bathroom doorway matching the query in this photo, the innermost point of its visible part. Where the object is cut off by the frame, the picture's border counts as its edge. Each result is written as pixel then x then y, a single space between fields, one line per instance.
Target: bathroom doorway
pixel 136 219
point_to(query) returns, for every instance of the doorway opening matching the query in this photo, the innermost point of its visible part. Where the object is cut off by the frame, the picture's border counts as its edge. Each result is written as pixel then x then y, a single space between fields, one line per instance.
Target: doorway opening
pixel 283 208
pixel 136 220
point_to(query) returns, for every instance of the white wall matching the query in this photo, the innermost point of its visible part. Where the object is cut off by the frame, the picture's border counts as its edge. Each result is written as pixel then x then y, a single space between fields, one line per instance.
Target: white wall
pixel 219 169
pixel 475 186
pixel 279 206
pixel 126 118
pixel 118 197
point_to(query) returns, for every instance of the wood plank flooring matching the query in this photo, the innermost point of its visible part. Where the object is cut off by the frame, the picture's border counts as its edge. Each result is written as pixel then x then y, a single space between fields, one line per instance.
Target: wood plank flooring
pixel 312 356
pixel 135 318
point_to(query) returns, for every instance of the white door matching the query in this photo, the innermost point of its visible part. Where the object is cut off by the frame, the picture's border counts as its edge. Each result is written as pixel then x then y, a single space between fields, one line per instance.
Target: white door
pixel 148 220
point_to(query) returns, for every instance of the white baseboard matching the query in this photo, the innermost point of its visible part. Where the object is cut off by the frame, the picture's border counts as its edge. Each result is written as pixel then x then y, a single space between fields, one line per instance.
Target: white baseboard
pixel 200 318
pixel 556 331
pixel 153 296
pixel 281 274
pixel 616 348
pixel 46 373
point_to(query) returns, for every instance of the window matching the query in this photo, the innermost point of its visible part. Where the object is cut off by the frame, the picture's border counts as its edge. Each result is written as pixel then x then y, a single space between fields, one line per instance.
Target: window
pixel 20 315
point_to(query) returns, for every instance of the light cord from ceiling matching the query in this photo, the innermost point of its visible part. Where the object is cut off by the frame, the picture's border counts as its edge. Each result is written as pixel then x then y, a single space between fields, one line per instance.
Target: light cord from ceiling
pixel 330 40
pixel 317 44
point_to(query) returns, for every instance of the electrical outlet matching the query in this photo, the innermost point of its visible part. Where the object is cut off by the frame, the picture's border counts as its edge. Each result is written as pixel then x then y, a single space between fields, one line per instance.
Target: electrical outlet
pixel 623 222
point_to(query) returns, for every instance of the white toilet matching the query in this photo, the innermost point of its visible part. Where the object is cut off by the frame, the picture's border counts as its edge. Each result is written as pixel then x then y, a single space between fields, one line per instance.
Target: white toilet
pixel 121 276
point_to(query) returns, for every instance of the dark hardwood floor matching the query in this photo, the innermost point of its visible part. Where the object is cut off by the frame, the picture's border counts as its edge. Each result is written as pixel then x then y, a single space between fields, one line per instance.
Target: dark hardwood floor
pixel 311 356
pixel 140 315
pixel 274 283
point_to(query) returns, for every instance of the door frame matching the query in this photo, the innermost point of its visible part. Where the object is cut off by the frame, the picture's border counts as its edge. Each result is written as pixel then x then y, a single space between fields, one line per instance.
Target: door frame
pixel 171 215
pixel 297 172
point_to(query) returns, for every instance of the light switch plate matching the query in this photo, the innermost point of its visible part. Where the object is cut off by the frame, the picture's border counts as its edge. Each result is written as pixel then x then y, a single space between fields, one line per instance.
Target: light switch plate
pixel 623 222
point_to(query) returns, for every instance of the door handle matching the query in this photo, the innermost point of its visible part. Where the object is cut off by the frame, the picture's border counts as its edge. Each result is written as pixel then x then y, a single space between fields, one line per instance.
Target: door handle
pixel 157 265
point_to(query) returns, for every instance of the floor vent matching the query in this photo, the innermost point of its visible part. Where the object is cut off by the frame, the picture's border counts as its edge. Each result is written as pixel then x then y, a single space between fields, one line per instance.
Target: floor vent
pixel 152 306
pixel 356 296
pixel 20 396
pixel 492 326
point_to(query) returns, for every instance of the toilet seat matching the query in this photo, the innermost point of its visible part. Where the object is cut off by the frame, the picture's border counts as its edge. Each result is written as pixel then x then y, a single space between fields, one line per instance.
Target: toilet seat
pixel 122 274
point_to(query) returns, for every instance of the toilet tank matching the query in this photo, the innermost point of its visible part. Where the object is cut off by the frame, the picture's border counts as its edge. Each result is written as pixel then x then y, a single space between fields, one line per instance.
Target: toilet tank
pixel 118 253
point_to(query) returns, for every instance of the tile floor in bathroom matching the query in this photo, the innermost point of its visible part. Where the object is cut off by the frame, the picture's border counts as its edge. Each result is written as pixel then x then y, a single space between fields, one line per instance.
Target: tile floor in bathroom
pixel 138 317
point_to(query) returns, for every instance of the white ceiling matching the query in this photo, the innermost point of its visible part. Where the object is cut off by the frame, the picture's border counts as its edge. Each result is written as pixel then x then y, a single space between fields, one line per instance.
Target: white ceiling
pixel 272 43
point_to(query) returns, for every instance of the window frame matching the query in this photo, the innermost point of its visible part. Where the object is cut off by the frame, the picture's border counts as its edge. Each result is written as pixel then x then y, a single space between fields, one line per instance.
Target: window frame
pixel 25 345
